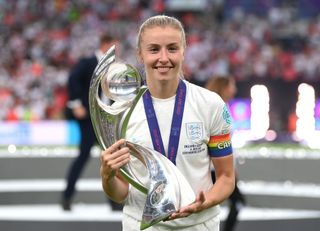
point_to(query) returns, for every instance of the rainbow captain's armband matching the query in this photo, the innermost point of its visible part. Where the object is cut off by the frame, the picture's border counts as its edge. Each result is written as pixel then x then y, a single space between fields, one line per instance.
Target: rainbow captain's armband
pixel 220 145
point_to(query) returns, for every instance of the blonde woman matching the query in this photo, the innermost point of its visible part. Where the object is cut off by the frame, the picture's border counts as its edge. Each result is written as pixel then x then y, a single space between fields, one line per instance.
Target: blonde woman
pixel 161 46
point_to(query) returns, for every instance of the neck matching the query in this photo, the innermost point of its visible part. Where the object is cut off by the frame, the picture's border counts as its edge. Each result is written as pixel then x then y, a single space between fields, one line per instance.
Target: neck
pixel 163 89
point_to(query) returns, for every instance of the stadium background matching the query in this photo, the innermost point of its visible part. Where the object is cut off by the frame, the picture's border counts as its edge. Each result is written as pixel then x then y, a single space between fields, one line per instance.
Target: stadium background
pixel 269 42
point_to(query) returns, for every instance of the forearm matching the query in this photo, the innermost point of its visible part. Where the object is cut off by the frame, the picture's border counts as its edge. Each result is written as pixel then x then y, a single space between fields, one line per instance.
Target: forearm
pixel 220 191
pixel 112 159
pixel 115 187
pixel 225 181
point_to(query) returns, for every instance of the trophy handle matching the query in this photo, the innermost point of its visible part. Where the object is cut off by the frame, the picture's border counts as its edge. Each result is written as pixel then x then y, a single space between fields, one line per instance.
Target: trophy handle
pixel 110 121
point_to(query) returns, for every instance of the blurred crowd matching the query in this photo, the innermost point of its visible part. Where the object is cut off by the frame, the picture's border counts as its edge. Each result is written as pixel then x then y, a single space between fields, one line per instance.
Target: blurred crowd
pixel 41 40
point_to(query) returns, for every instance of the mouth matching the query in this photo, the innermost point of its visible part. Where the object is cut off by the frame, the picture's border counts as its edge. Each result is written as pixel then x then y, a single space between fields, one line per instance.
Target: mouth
pixel 163 69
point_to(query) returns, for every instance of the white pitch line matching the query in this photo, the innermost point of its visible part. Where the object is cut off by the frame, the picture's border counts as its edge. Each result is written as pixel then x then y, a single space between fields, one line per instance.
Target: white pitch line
pixel 44 185
pixel 103 213
pixel 250 213
pixel 286 189
pixel 80 212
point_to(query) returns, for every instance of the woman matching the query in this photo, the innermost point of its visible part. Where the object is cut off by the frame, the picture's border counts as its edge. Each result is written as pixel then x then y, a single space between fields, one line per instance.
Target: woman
pixel 203 133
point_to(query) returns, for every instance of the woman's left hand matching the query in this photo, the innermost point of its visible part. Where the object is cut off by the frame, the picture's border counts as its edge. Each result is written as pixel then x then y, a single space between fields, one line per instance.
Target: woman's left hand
pixel 195 207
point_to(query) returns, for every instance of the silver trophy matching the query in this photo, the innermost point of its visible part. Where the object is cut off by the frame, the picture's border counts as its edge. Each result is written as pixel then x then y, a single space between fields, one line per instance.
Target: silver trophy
pixel 121 84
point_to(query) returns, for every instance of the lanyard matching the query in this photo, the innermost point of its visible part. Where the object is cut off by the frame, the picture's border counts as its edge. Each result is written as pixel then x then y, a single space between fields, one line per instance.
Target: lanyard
pixel 175 125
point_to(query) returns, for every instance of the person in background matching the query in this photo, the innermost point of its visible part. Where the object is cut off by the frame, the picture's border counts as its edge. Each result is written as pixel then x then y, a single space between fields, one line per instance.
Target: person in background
pixel 198 136
pixel 78 104
pixel 225 86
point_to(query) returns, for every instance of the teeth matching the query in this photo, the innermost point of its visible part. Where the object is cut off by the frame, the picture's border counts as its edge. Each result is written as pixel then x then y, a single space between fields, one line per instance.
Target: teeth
pixel 163 69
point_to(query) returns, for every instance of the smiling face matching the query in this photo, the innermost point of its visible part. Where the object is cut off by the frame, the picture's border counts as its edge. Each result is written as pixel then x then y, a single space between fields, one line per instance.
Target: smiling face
pixel 162 52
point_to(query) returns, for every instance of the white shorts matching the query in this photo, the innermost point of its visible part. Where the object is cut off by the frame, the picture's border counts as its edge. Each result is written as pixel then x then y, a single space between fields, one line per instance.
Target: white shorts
pixel 131 224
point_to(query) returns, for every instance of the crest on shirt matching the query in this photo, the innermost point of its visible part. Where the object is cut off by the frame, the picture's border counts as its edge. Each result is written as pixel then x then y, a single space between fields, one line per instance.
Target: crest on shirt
pixel 194 130
pixel 226 115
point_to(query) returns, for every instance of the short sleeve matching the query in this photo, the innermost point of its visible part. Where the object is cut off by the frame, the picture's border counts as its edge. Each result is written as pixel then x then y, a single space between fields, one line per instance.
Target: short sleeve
pixel 220 135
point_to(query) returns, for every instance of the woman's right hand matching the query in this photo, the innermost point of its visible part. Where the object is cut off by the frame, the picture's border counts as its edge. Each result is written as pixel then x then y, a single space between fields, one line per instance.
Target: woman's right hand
pixel 113 158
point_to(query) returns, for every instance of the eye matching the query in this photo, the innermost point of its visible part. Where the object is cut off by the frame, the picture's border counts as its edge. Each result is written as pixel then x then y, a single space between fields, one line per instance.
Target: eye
pixel 173 49
pixel 153 49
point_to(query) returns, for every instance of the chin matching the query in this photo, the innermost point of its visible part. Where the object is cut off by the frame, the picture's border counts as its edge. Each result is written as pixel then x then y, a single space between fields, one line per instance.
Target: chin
pixel 165 79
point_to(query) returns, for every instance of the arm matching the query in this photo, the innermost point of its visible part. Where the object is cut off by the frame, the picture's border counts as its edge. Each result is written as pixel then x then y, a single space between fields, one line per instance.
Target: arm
pixel 225 180
pixel 76 89
pixel 220 150
pixel 76 80
pixel 221 190
pixel 111 160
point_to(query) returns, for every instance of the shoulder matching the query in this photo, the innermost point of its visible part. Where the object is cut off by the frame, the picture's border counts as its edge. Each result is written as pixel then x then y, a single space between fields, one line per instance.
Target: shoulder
pixel 86 60
pixel 86 64
pixel 202 95
pixel 90 59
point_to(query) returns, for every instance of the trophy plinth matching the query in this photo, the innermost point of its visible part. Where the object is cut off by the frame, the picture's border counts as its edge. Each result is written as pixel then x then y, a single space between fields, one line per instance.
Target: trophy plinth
pixel 122 87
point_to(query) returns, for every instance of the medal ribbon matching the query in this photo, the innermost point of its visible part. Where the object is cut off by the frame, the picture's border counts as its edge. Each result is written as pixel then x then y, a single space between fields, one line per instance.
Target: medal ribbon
pixel 175 125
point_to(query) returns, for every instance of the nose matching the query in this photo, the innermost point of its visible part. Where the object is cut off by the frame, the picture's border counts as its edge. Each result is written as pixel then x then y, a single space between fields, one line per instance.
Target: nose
pixel 163 56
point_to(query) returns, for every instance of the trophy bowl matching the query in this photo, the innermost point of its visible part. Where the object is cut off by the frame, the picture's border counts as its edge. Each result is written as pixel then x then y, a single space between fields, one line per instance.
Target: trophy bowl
pixel 121 82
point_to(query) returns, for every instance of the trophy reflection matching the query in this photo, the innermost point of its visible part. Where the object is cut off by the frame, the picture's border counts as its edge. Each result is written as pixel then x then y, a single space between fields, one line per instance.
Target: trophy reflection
pixel 122 86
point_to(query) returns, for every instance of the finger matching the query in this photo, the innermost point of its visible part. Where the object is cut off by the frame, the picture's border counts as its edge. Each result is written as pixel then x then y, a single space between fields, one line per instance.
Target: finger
pixel 108 154
pixel 114 147
pixel 188 209
pixel 115 164
pixel 116 157
pixel 178 215
pixel 109 168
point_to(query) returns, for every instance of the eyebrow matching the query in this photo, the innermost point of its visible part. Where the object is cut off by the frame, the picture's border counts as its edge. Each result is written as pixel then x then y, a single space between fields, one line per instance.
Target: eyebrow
pixel 170 44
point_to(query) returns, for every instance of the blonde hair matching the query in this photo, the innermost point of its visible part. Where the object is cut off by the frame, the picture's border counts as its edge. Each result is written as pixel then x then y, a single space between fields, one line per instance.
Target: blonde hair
pixel 162 21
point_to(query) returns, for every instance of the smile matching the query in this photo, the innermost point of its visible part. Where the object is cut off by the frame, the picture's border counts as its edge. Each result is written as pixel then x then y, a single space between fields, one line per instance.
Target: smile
pixel 163 69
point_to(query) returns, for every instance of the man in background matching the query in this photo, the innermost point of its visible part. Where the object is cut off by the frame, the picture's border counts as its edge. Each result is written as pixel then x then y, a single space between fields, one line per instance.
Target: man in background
pixel 78 106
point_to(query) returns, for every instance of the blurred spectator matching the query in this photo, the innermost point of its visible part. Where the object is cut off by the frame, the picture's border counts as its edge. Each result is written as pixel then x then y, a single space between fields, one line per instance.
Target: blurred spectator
pixel 78 89
pixel 251 40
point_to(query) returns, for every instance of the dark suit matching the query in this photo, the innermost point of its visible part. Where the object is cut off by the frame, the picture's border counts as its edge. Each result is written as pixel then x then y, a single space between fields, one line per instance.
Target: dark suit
pixel 78 88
